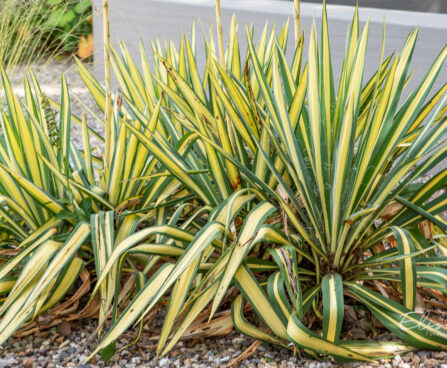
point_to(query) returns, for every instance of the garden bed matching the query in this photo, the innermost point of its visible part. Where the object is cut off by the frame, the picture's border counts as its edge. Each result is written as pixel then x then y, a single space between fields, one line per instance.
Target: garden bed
pixel 64 343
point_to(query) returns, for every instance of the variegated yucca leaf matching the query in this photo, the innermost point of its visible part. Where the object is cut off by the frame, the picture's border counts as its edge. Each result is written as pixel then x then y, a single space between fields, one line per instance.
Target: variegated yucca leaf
pixel 258 181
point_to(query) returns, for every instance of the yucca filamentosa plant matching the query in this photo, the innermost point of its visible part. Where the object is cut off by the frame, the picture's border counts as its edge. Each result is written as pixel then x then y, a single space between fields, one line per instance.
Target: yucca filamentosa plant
pixel 59 211
pixel 252 183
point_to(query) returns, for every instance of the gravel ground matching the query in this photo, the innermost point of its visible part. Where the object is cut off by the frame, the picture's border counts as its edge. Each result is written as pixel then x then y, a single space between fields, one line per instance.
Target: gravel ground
pixel 56 350
pixel 68 345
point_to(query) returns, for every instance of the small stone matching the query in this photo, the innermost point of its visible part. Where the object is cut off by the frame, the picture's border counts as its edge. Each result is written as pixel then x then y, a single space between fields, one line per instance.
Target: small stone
pixel 397 359
pixel 164 362
pixel 187 363
pixel 136 360
pixel 28 363
pixel 416 359
pixel 71 350
pixel 63 355
pixel 423 353
pixel 38 340
pixel 64 328
pixel 443 366
pixel 408 357
pixel 440 355
pixel 237 341
pixel 115 358
pixel 6 363
pixel 224 359
pixel 431 362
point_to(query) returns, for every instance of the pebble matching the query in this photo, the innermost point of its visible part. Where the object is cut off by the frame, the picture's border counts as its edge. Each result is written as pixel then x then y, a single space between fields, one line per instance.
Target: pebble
pixel 440 355
pixel 71 350
pixel 6 363
pixel 164 362
pixel 423 353
pixel 136 360
pixel 115 358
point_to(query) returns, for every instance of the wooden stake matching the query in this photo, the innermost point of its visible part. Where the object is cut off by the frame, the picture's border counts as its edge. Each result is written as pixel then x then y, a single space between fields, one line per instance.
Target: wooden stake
pixel 296 16
pixel 107 80
pixel 220 33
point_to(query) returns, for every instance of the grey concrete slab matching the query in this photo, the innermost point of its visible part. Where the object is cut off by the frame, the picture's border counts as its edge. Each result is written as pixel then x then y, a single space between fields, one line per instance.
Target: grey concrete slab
pixel 433 6
pixel 135 20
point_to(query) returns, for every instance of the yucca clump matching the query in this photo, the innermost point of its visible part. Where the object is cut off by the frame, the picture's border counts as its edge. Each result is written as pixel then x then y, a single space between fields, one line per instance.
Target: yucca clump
pixel 253 183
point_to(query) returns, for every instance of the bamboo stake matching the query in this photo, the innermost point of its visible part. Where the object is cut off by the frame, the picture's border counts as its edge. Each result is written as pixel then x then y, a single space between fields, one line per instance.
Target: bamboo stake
pixel 233 172
pixel 220 33
pixel 296 16
pixel 107 80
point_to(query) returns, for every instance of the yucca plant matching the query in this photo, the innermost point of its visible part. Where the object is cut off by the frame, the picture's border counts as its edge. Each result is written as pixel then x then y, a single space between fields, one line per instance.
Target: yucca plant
pixel 321 188
pixel 38 245
pixel 253 183
pixel 60 210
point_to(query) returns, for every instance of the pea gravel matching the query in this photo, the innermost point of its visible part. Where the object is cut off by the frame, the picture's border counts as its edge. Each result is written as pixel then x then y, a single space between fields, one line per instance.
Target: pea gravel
pixel 55 350
pixel 51 349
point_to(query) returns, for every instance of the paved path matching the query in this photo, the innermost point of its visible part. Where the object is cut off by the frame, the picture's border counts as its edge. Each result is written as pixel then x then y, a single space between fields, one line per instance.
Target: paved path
pixel 434 6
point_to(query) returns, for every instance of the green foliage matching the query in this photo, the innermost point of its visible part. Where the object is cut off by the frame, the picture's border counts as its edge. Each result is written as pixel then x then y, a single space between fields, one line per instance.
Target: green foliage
pixel 252 182
pixel 32 30
pixel 65 22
